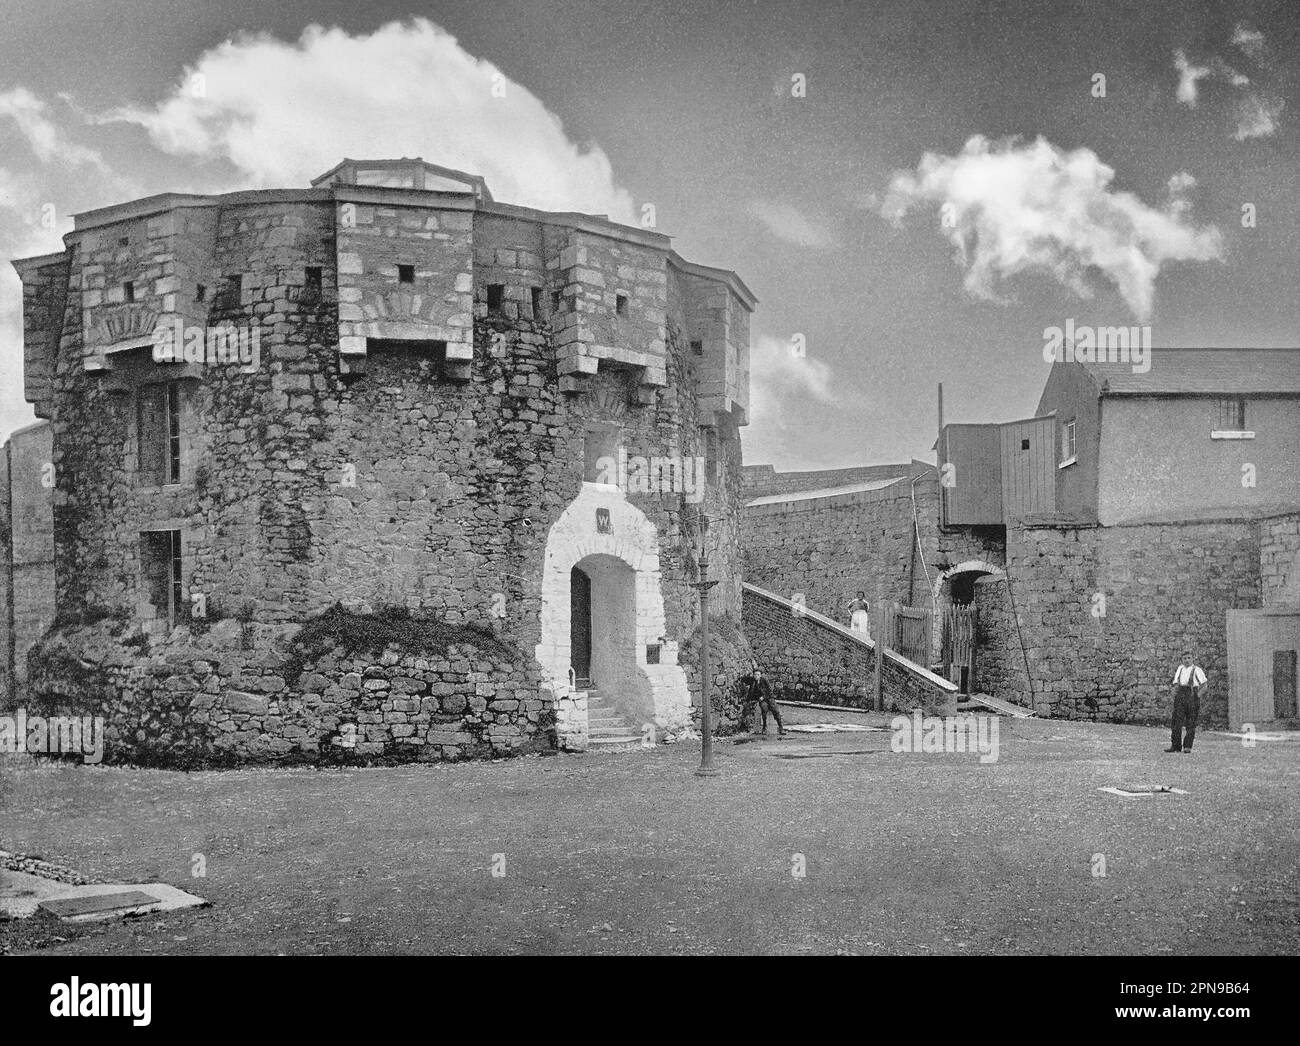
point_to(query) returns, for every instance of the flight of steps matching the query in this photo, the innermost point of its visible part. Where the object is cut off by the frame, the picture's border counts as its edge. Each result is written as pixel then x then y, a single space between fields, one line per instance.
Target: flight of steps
pixel 607 731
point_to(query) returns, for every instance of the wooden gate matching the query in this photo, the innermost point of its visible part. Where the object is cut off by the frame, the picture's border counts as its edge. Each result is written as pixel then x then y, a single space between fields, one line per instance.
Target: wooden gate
pixel 907 632
pixel 957 644
pixel 1262 646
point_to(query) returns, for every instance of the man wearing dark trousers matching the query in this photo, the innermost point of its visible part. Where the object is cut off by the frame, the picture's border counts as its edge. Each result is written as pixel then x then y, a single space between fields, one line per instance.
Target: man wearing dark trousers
pixel 757 691
pixel 1189 680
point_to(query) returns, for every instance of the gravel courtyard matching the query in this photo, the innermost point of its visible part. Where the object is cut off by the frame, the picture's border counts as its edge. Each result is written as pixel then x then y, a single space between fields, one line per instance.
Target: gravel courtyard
pixel 631 853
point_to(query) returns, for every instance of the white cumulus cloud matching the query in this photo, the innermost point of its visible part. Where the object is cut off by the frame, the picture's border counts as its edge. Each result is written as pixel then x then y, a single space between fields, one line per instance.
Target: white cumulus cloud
pixel 1256 113
pixel 786 222
pixel 1188 75
pixel 285 112
pixel 1250 41
pixel 789 385
pixel 1012 207
pixel 30 116
pixel 1257 116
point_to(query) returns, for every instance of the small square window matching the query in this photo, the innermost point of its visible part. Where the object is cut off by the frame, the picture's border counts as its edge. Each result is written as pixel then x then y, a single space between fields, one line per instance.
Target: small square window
pixel 1024 444
pixel 1232 414
pixel 124 241
pixel 496 294
pixel 232 291
pixel 406 274
pixel 620 304
pixel 128 291
pixel 697 347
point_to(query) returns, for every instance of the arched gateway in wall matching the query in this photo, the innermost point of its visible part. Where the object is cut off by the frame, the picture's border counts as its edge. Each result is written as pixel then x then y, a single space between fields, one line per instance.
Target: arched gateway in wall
pixel 970 566
pixel 969 569
pixel 615 550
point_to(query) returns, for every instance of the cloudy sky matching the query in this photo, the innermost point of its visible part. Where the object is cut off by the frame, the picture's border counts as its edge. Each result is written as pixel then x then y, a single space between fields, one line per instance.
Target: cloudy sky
pixel 915 189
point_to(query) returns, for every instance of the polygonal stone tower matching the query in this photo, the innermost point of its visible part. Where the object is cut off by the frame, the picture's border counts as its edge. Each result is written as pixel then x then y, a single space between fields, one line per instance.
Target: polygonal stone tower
pixel 379 469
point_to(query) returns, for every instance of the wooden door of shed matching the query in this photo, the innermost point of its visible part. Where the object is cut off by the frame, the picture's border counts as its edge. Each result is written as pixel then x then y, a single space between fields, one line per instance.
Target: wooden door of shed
pixel 1262 650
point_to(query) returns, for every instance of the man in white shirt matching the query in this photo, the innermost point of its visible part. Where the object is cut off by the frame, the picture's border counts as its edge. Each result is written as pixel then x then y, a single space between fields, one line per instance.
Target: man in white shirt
pixel 1188 681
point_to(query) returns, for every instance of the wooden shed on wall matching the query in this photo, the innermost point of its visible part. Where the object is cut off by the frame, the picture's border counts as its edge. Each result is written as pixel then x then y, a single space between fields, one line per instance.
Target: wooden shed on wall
pixel 997 473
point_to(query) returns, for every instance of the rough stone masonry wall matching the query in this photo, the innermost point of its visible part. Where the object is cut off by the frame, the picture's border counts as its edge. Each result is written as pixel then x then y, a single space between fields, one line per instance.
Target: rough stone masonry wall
pixel 730 659
pixel 830 548
pixel 999 663
pixel 233 694
pixel 26 553
pixel 807 660
pixel 1167 588
pixel 1279 560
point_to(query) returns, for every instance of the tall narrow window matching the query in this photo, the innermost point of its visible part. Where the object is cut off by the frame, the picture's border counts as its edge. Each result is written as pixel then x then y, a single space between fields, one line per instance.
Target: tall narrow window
pixel 173 433
pixel 161 571
pixel 536 293
pixel 1069 445
pixel 158 431
pixel 712 459
pixel 556 301
pixel 620 304
pixel 128 291
pixel 174 559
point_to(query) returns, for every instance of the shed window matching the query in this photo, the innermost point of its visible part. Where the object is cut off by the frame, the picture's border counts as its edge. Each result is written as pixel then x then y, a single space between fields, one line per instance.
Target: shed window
pixel 1232 414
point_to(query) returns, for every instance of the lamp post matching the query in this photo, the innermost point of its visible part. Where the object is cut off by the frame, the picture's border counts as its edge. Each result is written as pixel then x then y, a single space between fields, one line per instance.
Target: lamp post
pixel 706 769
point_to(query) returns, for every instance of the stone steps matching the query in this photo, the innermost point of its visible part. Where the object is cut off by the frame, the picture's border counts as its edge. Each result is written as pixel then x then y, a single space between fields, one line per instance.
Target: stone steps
pixel 607 729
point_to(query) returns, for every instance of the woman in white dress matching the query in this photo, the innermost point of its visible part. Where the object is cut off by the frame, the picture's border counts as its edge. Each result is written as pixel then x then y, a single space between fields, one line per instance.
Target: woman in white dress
pixel 860 614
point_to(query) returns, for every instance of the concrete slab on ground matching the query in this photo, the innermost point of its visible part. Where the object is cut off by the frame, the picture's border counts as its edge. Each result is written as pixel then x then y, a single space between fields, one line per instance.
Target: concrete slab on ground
pixel 21 894
pixel 830 728
pixel 998 705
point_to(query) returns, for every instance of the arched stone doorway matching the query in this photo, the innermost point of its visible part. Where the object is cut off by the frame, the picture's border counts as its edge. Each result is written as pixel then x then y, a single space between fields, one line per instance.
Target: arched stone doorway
pixel 603 640
pixel 612 548
pixel 955 587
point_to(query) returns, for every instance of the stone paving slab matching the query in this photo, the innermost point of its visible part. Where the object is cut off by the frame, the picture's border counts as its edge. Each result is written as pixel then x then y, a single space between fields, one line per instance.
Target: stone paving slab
pixel 114 901
pixel 21 894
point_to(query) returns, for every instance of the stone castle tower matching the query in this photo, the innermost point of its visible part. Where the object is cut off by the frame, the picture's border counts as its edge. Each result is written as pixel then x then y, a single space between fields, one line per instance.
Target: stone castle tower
pixel 381 467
